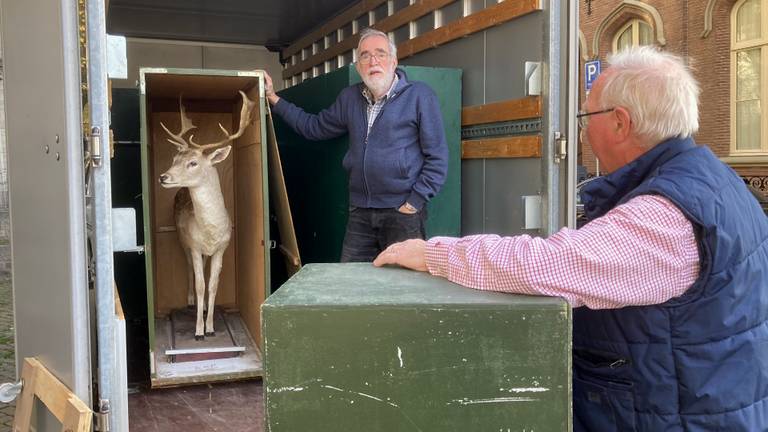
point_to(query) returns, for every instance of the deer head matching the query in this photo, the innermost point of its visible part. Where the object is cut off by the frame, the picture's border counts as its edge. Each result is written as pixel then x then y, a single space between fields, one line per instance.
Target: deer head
pixel 191 166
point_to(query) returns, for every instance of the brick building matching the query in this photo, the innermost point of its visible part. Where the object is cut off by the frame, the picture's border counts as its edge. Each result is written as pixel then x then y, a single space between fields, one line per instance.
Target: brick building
pixel 723 41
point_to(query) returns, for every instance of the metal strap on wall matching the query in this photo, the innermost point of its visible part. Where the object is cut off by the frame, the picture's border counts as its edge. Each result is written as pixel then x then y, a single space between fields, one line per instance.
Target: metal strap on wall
pixel 112 396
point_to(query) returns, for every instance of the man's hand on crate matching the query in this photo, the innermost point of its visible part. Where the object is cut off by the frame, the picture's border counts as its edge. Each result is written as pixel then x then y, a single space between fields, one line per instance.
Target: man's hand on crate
pixel 408 254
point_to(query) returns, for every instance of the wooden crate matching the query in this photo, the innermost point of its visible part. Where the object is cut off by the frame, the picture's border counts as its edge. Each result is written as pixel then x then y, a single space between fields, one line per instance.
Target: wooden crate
pixel 210 97
pixel 351 347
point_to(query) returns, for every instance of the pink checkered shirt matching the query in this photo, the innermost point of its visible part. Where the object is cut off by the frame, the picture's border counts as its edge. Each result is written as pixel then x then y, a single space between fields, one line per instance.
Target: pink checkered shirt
pixel 640 253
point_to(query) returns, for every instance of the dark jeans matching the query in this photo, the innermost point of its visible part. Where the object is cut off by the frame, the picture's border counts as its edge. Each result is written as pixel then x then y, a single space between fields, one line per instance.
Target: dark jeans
pixel 370 231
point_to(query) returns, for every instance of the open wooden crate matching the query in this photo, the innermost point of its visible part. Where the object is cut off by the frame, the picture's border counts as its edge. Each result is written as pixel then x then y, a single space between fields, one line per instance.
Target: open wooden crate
pixel 210 98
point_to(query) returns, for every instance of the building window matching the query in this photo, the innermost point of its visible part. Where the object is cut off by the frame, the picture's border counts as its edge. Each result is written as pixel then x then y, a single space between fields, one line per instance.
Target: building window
pixel 749 50
pixel 634 33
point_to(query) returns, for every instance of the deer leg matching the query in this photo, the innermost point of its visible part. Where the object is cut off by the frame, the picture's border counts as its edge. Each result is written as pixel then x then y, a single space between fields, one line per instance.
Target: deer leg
pixel 190 279
pixel 213 286
pixel 197 262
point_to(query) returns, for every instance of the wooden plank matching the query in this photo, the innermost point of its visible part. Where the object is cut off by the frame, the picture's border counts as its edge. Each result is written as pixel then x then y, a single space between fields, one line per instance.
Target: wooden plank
pixel 402 17
pixel 327 54
pixel 289 245
pixel 73 413
pixel 26 400
pixel 489 17
pixel 337 22
pixel 527 146
pixel 514 109
pixel 486 18
pixel 410 13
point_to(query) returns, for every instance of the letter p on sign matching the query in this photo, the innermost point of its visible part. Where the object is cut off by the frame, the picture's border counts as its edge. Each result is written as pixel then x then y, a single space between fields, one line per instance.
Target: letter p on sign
pixel 591 72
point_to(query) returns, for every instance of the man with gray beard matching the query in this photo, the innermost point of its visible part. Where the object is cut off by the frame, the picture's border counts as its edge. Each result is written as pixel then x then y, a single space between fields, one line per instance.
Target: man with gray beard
pixel 398 157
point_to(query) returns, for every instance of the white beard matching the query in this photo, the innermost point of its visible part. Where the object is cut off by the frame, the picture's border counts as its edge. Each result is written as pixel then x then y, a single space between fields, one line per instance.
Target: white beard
pixel 379 85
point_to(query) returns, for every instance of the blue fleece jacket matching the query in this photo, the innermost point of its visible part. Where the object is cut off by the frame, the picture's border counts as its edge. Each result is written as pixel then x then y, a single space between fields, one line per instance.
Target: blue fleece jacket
pixel 404 158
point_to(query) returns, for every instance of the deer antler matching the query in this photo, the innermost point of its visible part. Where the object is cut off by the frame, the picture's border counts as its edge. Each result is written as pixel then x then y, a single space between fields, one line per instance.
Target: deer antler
pixel 245 117
pixel 186 126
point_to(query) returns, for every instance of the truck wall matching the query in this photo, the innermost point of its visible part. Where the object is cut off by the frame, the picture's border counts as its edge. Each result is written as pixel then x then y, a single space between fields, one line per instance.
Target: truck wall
pixel 494 67
pixel 195 55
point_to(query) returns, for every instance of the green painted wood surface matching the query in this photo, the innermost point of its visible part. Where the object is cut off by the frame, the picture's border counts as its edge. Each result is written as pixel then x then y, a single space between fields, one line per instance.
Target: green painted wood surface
pixel 350 347
pixel 317 182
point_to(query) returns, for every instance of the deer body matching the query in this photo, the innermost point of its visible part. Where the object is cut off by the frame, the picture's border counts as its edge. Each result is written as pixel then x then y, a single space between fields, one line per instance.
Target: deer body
pixel 202 221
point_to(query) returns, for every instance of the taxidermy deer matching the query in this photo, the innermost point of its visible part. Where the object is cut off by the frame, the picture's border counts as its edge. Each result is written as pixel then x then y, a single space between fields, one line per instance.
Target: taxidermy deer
pixel 202 221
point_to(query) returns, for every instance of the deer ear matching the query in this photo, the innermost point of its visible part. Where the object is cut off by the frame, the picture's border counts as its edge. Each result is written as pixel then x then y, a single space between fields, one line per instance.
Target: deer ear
pixel 219 155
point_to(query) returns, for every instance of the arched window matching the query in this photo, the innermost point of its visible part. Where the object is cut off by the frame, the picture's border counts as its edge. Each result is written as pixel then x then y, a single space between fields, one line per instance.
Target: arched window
pixel 634 33
pixel 749 51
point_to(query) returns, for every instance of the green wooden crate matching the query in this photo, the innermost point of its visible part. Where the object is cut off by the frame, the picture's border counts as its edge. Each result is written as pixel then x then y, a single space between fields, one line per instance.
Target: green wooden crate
pixel 317 182
pixel 351 347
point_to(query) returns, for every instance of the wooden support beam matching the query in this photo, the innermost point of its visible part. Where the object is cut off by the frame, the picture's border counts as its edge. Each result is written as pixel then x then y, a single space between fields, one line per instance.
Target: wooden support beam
pixel 486 18
pixel 392 22
pixel 410 13
pixel 337 22
pixel 515 109
pixel 337 49
pixel 40 383
pixel 527 146
pixel 492 16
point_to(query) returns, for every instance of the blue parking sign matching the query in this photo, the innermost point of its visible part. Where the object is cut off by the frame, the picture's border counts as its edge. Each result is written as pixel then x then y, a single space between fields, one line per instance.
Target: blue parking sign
pixel 591 72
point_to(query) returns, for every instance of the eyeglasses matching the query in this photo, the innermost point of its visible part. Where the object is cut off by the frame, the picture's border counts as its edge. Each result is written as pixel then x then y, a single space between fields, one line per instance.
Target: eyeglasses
pixel 584 116
pixel 366 57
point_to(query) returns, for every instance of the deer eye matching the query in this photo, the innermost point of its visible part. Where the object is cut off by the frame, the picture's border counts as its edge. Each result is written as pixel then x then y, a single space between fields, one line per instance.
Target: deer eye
pixel 192 164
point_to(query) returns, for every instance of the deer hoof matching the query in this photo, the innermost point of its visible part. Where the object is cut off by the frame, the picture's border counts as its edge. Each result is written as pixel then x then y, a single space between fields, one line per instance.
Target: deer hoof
pixel 210 333
pixel 199 337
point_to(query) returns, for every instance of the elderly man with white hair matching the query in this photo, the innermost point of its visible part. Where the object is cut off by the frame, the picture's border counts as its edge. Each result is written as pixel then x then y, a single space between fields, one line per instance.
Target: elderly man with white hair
pixel 668 279
pixel 398 156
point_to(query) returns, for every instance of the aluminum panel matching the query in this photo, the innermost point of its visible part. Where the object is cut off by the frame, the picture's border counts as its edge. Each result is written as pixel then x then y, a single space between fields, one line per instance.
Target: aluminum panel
pixel 508 47
pixel 472 197
pixel 45 155
pixel 506 182
pixel 465 54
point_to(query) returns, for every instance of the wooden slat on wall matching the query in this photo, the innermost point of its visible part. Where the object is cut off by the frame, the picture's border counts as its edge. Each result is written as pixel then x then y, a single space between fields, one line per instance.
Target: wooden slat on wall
pixel 410 13
pixel 332 52
pixel 339 21
pixel 492 16
pixel 489 17
pixel 527 146
pixel 515 109
pixel 392 22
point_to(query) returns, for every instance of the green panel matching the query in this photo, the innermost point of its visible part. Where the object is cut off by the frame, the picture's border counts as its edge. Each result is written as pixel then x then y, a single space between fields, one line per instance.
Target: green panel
pixel 445 209
pixel 317 183
pixel 350 347
pixel 314 178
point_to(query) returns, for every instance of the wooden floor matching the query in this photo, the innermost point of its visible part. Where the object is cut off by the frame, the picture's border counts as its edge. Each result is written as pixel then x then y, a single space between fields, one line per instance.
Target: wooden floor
pixel 236 406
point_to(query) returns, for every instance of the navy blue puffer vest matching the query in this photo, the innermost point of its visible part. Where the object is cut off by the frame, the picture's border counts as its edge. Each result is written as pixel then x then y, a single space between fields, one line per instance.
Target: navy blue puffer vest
pixel 698 362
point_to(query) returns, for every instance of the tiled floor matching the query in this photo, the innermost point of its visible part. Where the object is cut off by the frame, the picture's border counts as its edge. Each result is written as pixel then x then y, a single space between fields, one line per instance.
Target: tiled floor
pixel 231 407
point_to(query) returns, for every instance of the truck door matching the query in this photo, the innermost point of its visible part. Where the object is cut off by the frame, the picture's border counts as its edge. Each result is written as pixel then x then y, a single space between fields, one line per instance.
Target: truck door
pixel 60 205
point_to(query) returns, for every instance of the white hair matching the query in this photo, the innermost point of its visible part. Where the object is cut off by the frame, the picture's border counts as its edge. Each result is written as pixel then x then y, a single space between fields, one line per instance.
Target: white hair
pixel 368 32
pixel 657 89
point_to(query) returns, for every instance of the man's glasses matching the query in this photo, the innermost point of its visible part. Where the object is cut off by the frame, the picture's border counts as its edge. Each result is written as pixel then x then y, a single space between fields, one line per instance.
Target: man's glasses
pixel 366 57
pixel 584 116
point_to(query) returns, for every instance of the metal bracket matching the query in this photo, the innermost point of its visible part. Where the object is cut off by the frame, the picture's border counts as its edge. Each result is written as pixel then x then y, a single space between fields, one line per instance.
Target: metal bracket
pixel 95 141
pixel 561 147
pixel 10 391
pixel 101 417
pixel 532 78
